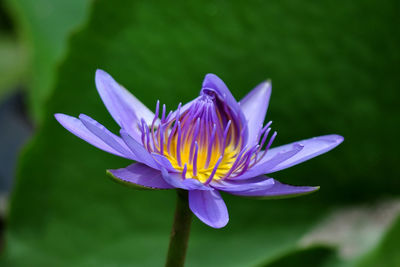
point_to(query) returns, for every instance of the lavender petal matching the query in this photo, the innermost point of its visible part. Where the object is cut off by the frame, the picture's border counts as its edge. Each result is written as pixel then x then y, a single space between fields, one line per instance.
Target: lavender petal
pixel 266 166
pixel 254 106
pixel 142 155
pixel 76 127
pixel 276 190
pixel 164 162
pixel 109 138
pixel 312 147
pixel 141 176
pixel 126 109
pixel 213 83
pixel 176 180
pixel 209 207
pixel 254 184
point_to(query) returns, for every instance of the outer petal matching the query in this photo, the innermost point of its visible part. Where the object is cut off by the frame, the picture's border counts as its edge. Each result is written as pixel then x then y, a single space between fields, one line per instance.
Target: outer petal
pixel 276 190
pixel 177 181
pixel 140 175
pixel 257 183
pixel 76 127
pixel 209 207
pixel 312 147
pixel 105 135
pixel 254 106
pixel 126 109
pixel 142 155
pixel 266 166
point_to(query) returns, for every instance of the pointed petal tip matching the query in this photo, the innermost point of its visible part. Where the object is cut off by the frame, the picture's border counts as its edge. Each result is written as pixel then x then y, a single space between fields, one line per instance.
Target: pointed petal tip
pixel 339 138
pixel 59 116
pixel 213 81
pixel 100 76
pixel 64 119
pixel 83 116
pixel 334 138
pixel 266 86
pixel 211 75
pixel 262 91
pixel 306 191
pixel 103 78
pixel 100 72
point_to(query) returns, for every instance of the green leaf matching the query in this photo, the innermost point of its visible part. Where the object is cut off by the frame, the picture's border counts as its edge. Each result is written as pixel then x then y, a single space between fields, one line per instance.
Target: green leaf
pixel 12 64
pixel 387 252
pixel 356 231
pixel 326 66
pixel 311 256
pixel 44 26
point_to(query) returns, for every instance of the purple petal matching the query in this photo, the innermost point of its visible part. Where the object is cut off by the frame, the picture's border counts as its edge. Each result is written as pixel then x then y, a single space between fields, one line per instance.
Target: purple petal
pixel 254 106
pixel 209 207
pixel 140 175
pixel 177 181
pixel 76 127
pixel 254 184
pixel 265 166
pixel 312 147
pixel 142 155
pixel 276 190
pixel 164 162
pixel 109 138
pixel 213 83
pixel 126 109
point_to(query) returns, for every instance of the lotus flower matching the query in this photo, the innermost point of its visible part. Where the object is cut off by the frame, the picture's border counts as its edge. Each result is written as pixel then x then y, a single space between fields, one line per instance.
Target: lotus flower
pixel 208 145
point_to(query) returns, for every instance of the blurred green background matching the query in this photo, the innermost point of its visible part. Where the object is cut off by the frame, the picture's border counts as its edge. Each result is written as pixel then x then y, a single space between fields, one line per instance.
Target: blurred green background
pixel 334 67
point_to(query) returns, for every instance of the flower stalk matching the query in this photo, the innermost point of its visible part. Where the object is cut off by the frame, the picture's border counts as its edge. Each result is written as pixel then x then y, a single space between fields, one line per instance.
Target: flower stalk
pixel 178 242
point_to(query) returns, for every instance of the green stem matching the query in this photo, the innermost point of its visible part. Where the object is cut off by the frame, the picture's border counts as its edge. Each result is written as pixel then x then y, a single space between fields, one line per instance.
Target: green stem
pixel 178 242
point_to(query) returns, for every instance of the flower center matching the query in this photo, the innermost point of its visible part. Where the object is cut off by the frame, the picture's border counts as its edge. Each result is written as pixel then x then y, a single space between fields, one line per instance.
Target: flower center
pixel 202 140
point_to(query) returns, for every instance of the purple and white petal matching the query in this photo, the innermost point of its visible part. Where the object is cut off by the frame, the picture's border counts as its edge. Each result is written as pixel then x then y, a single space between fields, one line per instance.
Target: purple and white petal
pixel 142 155
pixel 265 166
pixel 276 190
pixel 254 106
pixel 176 180
pixel 76 127
pixel 209 207
pixel 108 137
pixel 140 175
pixel 126 109
pixel 312 147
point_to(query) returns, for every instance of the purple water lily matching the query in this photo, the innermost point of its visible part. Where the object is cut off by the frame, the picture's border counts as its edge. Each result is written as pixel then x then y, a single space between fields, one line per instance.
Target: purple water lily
pixel 210 144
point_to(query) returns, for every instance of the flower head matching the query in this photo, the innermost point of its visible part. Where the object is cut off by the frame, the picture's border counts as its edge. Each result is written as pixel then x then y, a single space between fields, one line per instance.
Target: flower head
pixel 210 144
